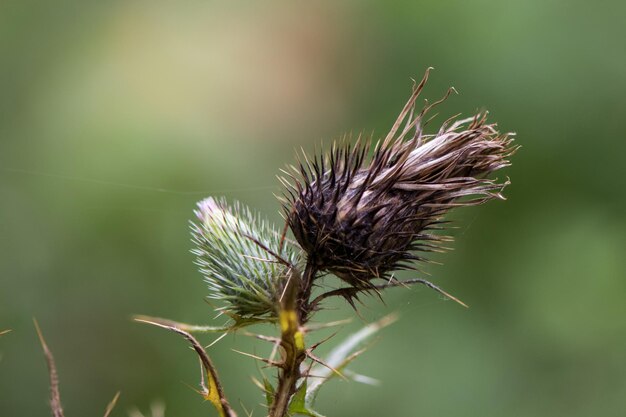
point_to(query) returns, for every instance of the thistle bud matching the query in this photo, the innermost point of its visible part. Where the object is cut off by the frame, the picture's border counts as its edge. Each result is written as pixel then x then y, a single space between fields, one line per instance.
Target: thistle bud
pixel 361 217
pixel 236 252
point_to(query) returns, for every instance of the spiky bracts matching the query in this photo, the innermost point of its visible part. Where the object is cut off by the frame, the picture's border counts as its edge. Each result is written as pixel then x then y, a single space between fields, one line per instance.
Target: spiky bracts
pixel 357 212
pixel 361 217
pixel 241 259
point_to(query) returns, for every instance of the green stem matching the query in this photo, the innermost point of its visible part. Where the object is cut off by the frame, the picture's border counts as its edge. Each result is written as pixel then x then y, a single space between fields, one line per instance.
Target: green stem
pixel 291 317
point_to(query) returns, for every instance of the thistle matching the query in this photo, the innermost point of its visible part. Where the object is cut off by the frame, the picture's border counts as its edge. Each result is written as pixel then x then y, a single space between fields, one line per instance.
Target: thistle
pixel 361 218
pixel 235 253
pixel 358 212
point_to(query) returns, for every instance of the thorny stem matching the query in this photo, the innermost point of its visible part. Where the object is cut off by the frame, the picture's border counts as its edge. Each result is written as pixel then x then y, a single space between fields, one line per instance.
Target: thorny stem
pixel 292 316
pixel 296 306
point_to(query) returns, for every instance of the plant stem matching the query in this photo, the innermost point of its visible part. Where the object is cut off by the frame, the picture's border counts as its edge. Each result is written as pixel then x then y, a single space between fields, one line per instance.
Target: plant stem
pixel 304 302
pixel 286 389
pixel 292 339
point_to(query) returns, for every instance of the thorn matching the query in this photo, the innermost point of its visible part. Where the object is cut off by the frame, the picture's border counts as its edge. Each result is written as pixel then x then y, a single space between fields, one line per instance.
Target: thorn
pixel 270 339
pixel 258 384
pixel 259 358
pixel 112 404
pixel 309 375
pixel 202 393
pixel 436 288
pixel 223 335
pixel 321 362
pixel 255 258
pixel 279 258
pixel 316 345
pixel 205 389
pixel 318 326
pixel 165 323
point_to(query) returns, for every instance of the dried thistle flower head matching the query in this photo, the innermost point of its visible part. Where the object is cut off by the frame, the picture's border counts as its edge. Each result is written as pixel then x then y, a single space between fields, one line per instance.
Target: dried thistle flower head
pixel 357 214
pixel 362 217
pixel 232 248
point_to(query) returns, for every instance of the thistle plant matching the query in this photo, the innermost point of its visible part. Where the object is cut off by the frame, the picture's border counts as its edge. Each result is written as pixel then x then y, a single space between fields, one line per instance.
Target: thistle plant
pixel 232 250
pixel 359 211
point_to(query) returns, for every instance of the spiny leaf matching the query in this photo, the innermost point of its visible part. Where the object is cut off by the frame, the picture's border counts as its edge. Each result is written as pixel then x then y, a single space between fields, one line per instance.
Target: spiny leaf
pixel 298 405
pixel 343 354
pixel 269 391
pixel 297 401
pixel 213 392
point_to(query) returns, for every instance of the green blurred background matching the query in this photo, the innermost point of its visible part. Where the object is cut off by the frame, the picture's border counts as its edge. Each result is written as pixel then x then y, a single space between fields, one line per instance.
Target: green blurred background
pixel 116 117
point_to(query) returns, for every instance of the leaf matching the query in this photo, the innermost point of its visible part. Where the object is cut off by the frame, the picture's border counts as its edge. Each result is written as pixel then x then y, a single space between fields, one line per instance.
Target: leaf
pixel 269 392
pixel 343 354
pixel 297 401
pixel 298 405
pixel 213 392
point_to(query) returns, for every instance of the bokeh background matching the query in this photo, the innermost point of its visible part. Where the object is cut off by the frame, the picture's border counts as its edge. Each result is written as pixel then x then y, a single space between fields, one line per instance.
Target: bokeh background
pixel 116 117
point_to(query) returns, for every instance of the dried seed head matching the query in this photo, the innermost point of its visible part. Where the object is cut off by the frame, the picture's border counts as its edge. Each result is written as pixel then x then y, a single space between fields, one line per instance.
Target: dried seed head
pixel 362 217
pixel 236 252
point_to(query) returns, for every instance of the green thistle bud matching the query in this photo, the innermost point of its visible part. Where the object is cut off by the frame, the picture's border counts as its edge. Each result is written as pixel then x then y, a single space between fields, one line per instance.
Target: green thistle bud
pixel 362 217
pixel 236 252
